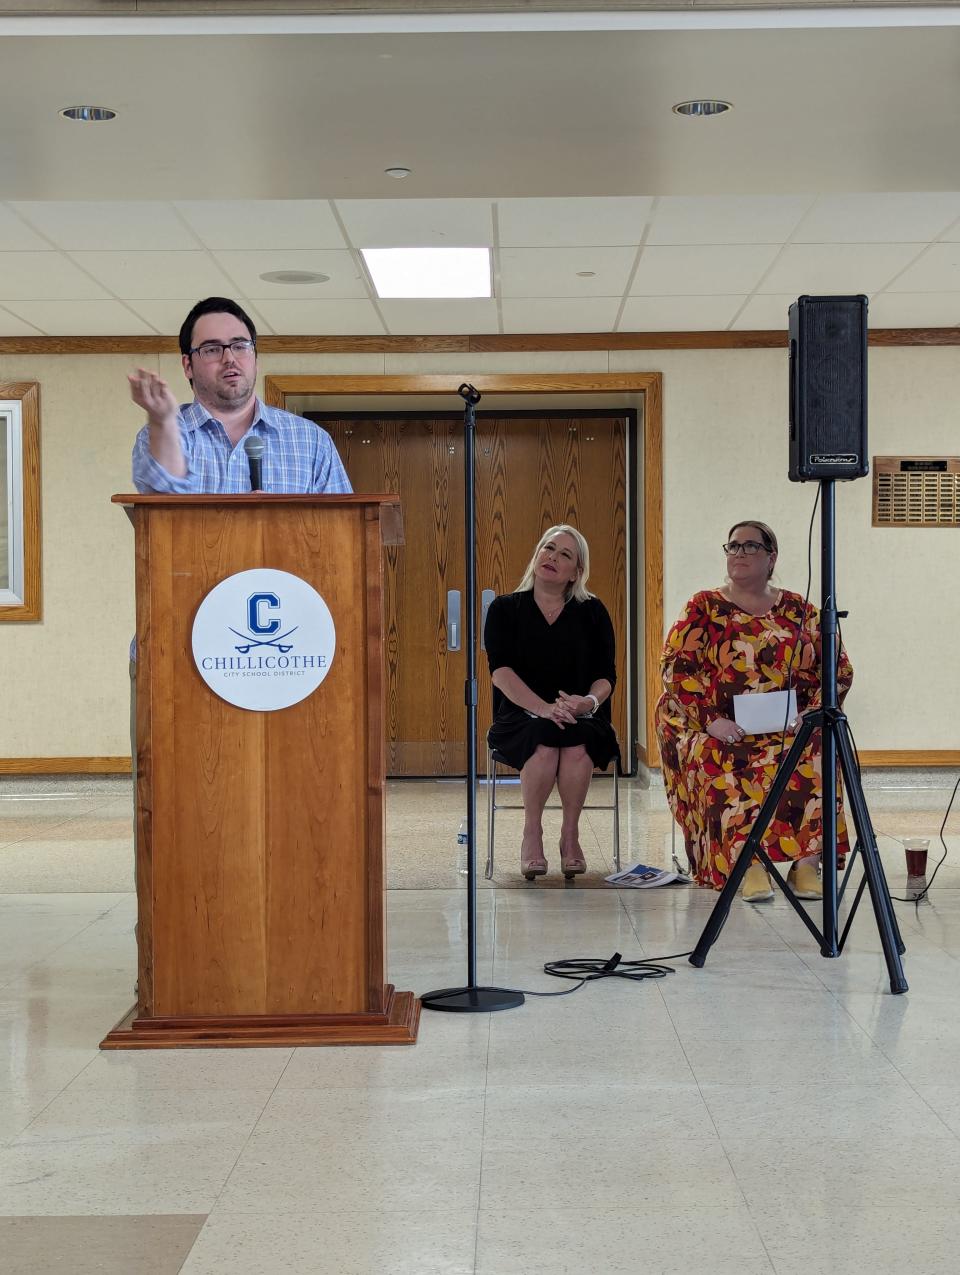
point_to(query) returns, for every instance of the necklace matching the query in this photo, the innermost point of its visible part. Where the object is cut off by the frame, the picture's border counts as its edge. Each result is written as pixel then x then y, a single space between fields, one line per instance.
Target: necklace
pixel 551 613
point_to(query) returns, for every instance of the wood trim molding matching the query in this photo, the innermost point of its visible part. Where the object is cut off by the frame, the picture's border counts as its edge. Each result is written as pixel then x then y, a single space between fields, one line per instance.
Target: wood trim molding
pixel 28 392
pixel 652 514
pixel 870 759
pixel 916 758
pixel 881 758
pixel 64 765
pixel 506 342
pixel 277 388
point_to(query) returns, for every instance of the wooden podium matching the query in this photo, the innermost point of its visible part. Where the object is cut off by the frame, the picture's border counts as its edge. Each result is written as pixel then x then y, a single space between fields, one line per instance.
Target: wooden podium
pixel 260 834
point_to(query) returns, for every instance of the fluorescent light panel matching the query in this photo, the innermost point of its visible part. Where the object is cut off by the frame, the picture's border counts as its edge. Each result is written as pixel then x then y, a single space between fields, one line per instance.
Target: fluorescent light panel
pixel 429 272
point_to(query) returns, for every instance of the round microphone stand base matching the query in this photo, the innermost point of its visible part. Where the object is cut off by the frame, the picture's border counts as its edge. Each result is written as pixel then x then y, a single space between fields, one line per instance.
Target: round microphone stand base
pixel 472 1000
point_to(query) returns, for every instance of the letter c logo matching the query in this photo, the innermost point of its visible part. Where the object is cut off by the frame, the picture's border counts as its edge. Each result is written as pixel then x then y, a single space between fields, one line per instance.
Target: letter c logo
pixel 254 623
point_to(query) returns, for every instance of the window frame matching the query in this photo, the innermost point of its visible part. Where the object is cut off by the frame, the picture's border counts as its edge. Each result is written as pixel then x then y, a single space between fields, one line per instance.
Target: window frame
pixel 22 600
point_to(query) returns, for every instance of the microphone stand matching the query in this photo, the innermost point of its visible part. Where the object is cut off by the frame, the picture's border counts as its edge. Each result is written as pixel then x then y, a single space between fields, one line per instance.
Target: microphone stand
pixel 471 999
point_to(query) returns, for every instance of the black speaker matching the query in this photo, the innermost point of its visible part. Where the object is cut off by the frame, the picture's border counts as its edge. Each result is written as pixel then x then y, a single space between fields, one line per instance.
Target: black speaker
pixel 828 388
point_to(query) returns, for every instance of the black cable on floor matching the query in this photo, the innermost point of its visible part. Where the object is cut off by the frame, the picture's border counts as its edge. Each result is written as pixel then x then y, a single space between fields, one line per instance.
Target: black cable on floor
pixel 587 969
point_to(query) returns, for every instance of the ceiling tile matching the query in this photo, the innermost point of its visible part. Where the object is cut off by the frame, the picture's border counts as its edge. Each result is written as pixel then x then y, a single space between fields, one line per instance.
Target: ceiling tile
pixel 698 270
pixel 257 316
pixel 322 318
pixel 915 310
pixel 720 219
pixel 878 218
pixel 17 237
pixel 43 276
pixel 937 270
pixel 836 269
pixel 439 318
pixel 166 315
pixel 82 318
pixel 245 269
pixel 116 226
pixel 764 313
pixel 263 223
pixel 552 272
pixel 570 223
pixel 679 314
pixel 418 223
pixel 156 274
pixel 952 233
pixel 10 325
pixel 586 314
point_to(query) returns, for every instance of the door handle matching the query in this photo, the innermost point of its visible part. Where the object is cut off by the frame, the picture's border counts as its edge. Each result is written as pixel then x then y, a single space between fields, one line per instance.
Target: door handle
pixel 453 619
pixel 486 597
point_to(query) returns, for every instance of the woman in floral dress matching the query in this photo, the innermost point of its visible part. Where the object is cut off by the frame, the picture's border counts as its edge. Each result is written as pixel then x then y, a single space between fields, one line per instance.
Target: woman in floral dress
pixel 741 639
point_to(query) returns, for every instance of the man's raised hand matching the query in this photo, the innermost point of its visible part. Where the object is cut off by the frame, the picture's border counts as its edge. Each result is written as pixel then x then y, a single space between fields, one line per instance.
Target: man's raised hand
pixel 151 392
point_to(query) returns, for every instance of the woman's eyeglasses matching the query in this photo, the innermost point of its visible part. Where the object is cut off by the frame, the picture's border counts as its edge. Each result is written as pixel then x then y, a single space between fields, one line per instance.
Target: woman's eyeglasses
pixel 749 547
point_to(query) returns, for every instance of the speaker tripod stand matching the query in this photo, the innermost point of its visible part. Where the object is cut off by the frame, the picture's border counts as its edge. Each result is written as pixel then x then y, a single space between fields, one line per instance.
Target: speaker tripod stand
pixel 837 745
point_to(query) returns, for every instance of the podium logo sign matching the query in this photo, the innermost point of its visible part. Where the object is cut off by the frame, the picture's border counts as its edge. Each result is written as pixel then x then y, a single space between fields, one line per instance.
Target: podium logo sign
pixel 263 639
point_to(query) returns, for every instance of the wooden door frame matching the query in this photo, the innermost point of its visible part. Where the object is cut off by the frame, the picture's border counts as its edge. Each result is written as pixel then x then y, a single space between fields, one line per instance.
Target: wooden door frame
pixel 276 389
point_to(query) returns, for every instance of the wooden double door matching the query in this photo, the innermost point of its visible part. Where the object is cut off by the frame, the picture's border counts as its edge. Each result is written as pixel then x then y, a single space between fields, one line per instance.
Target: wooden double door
pixel 532 471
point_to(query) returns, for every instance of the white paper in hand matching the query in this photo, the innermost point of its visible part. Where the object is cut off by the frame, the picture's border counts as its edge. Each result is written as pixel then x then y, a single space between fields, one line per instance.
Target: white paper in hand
pixel 765 712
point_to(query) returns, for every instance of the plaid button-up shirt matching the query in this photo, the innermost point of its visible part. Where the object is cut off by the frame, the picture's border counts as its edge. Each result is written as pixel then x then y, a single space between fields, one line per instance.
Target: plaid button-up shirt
pixel 298 456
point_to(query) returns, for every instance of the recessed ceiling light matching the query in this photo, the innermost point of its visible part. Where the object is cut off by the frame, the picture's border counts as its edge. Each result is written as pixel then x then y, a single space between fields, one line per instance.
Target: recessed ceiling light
pixel 294 276
pixel 398 173
pixel 429 272
pixel 88 114
pixel 703 107
pixel 586 274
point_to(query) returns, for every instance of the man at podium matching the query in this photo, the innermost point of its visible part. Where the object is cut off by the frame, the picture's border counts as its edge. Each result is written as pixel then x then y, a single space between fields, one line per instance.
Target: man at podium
pixel 198 447
pixel 226 441
pixel 258 839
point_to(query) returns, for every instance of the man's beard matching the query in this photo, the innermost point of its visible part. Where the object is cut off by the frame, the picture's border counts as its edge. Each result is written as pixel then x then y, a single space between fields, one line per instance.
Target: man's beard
pixel 232 393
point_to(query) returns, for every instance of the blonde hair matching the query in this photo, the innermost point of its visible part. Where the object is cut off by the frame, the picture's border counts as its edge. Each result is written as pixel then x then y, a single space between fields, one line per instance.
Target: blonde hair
pixel 577 587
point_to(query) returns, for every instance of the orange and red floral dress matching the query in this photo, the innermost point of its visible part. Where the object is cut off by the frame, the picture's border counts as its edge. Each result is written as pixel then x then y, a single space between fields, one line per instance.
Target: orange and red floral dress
pixel 715 790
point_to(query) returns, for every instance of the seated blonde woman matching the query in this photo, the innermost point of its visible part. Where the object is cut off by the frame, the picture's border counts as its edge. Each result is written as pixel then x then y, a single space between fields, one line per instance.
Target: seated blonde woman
pixel 550 647
pixel 740 639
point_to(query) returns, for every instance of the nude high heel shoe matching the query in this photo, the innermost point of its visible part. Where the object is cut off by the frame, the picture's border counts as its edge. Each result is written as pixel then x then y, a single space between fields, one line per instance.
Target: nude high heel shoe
pixel 572 864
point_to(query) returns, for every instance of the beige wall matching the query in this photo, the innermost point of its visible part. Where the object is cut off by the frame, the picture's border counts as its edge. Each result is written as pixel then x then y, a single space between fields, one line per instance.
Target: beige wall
pixel 725 458
pixel 64 680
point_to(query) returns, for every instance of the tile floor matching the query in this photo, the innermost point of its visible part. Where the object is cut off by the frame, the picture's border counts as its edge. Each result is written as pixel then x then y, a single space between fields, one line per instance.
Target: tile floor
pixel 772 1112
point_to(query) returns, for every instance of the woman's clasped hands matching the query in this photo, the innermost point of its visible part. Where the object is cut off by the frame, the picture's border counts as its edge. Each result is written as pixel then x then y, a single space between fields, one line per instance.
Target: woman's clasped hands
pixel 565 709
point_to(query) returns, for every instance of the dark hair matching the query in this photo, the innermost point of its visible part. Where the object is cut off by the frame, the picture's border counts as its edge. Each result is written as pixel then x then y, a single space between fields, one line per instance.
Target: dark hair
pixel 212 305
pixel 769 539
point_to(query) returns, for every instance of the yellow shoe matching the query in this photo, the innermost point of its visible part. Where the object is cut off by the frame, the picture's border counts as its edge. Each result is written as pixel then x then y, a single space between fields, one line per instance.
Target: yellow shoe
pixel 804 881
pixel 756 886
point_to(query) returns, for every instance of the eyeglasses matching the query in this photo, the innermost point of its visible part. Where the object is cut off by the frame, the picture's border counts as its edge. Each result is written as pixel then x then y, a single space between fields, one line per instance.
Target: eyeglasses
pixel 749 547
pixel 212 351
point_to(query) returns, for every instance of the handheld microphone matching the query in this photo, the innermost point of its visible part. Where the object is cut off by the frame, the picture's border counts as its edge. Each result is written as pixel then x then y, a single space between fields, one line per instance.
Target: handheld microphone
pixel 253 446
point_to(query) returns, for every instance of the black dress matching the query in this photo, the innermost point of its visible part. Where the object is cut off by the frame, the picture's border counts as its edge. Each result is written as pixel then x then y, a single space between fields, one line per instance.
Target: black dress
pixel 568 655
